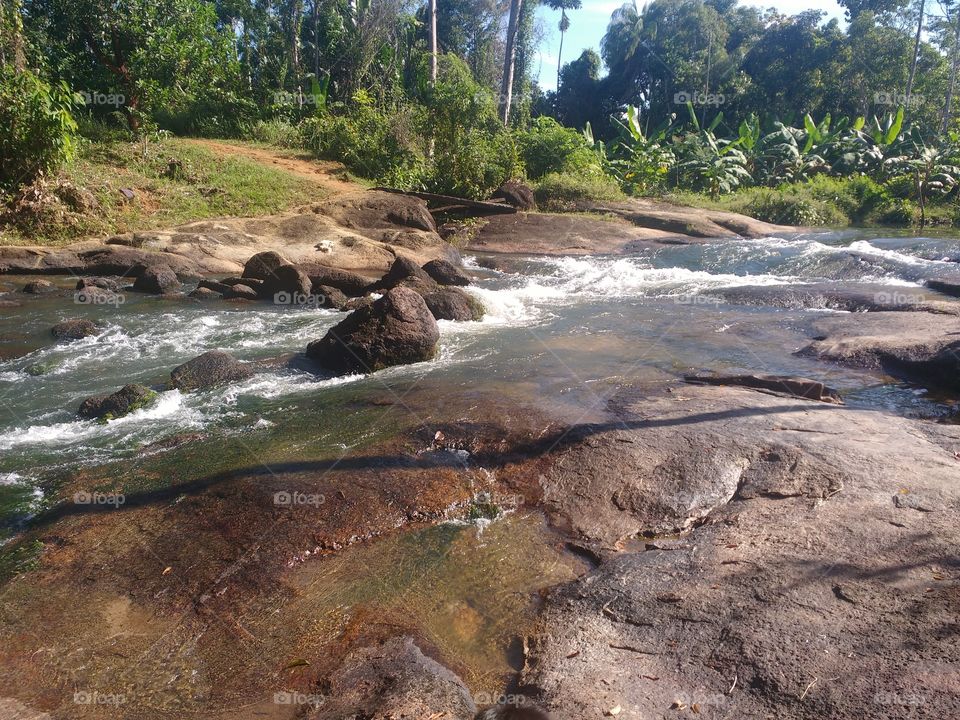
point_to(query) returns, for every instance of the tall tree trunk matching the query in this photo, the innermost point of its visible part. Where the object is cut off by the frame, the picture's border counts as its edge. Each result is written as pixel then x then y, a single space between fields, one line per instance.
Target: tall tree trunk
pixel 316 38
pixel 296 14
pixel 916 54
pixel 506 86
pixel 945 120
pixel 563 17
pixel 11 35
pixel 432 7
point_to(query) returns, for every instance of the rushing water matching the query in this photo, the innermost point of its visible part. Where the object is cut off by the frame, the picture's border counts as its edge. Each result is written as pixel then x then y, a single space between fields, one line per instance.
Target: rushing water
pixel 564 328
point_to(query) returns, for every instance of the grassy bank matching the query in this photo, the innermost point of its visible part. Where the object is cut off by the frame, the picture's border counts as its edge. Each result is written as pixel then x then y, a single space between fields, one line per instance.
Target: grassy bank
pixel 173 181
pixel 827 202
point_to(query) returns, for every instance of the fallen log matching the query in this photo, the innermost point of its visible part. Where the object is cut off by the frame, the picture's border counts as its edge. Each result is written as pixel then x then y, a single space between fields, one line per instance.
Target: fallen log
pixel 449 202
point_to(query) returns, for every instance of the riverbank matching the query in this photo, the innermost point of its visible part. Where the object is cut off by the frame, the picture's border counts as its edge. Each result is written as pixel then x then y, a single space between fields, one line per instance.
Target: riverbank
pixel 547 511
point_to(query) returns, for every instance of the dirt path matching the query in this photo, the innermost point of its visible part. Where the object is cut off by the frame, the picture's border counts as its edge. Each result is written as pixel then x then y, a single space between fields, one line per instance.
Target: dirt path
pixel 325 173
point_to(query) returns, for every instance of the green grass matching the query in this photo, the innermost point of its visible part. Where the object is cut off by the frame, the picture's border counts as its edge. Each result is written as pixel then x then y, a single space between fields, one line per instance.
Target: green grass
pixel 208 186
pixel 827 202
pixel 563 192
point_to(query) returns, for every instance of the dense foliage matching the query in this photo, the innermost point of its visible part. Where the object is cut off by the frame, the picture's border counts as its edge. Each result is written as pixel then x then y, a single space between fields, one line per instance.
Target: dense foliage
pixel 699 95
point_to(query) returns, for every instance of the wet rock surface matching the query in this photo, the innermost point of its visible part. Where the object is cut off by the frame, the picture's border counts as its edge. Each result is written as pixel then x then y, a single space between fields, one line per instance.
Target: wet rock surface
pixel 209 370
pixel 446 273
pixel 157 280
pixel 115 405
pixel 451 303
pixel 73 329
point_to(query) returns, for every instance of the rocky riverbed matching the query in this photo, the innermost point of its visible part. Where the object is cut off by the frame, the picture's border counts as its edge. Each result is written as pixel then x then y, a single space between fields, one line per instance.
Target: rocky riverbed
pixel 645 475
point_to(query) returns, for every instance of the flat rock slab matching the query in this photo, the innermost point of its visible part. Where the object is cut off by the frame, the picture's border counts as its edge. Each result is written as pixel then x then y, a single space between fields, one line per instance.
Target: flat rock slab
pixel 363 231
pixel 924 347
pixel 813 589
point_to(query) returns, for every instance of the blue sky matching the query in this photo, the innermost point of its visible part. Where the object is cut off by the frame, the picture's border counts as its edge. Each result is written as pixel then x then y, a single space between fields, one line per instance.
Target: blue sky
pixel 589 23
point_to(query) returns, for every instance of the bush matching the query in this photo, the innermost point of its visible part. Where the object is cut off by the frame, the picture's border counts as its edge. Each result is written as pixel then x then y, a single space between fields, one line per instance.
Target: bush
pixel 279 133
pixel 549 147
pixel 37 131
pixel 375 143
pixel 473 152
pixel 558 192
pixel 789 205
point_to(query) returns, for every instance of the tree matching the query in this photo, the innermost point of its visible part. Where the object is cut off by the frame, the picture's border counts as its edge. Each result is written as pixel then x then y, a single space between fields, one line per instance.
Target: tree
pixel 11 34
pixel 562 6
pixel 509 59
pixel 916 52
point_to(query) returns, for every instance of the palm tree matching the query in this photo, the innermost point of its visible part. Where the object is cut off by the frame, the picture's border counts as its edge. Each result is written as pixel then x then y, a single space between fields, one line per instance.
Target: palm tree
pixel 562 6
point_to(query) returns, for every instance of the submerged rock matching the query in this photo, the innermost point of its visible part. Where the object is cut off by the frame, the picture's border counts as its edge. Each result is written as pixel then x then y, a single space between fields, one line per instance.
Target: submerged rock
pixel 394 680
pixel 39 287
pixel 796 387
pixel 205 293
pixel 397 329
pixel 446 273
pixel 123 402
pixel 208 370
pixel 450 303
pixel 73 329
pixel 241 291
pixel 157 280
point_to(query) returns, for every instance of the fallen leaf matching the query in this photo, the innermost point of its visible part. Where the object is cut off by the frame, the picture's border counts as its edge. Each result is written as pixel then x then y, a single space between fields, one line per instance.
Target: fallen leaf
pixel 167 571
pixel 696 708
pixel 614 711
pixel 297 663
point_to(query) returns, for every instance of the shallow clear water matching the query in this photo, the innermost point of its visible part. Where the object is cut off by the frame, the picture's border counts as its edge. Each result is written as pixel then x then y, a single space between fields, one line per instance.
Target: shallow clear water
pixel 562 332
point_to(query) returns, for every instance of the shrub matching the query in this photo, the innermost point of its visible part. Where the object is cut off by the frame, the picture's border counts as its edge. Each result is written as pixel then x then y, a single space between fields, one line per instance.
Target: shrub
pixel 376 143
pixel 37 131
pixel 277 132
pixel 473 152
pixel 549 147
pixel 558 192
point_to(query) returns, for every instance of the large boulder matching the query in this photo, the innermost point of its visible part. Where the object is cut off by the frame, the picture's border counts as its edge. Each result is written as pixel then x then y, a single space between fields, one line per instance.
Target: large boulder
pixel 451 303
pixel 446 273
pixel 123 402
pixel 286 285
pixel 403 270
pixel 516 194
pixel 395 330
pixel 262 265
pixel 73 329
pixel 208 370
pixel 205 293
pixel 347 282
pixel 157 280
pixel 242 292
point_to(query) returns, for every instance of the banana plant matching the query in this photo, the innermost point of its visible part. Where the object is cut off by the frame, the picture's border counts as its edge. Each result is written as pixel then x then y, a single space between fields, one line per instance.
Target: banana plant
pixel 642 161
pixel 932 169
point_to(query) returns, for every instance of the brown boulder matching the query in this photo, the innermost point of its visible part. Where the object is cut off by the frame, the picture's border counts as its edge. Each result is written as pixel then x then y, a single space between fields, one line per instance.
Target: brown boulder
pixel 446 273
pixel 73 329
pixel 451 303
pixel 347 282
pixel 262 265
pixel 516 194
pixel 397 329
pixel 157 280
